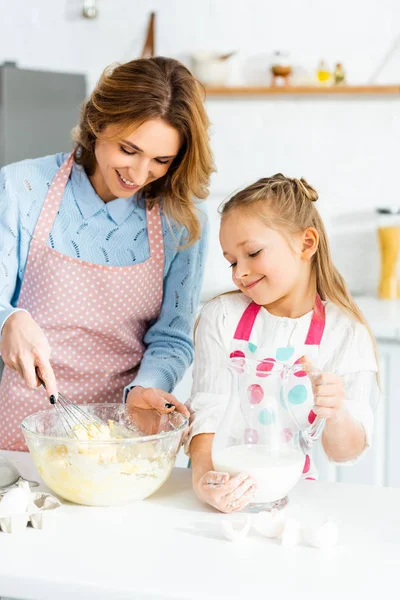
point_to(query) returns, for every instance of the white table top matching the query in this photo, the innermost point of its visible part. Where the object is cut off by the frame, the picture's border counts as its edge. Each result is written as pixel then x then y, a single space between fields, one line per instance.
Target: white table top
pixel 170 546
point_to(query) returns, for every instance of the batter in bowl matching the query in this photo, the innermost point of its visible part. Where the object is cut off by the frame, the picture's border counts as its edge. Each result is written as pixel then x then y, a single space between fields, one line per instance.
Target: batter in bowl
pixel 98 470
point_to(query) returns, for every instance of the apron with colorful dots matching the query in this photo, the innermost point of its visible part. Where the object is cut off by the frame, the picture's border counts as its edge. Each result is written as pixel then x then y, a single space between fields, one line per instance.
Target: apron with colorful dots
pixel 94 317
pixel 299 392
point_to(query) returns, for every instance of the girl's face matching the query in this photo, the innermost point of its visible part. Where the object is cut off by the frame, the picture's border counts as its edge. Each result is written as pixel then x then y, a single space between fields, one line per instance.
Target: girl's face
pixel 127 165
pixel 264 266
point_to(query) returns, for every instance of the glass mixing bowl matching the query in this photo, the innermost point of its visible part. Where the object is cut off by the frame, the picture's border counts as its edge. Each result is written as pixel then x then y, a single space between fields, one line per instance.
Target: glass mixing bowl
pixel 130 465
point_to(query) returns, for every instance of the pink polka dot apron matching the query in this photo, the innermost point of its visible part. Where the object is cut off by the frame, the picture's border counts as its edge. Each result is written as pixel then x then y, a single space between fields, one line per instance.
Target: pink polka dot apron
pixel 94 317
pixel 299 397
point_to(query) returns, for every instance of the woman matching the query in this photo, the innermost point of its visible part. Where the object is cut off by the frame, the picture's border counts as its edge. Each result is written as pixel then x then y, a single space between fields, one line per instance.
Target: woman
pixel 101 252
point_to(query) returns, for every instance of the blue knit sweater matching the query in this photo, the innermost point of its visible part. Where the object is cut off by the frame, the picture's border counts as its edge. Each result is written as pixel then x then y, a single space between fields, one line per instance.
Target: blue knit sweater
pixel 113 234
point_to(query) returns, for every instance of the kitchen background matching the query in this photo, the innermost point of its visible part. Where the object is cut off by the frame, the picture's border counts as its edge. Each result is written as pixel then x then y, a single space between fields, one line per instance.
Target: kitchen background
pixel 346 145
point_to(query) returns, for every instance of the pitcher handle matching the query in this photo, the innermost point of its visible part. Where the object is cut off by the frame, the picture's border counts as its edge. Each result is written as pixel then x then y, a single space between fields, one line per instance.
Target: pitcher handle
pixel 312 434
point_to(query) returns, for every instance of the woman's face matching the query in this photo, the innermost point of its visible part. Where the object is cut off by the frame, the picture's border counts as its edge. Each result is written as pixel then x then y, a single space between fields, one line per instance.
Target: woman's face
pixel 127 165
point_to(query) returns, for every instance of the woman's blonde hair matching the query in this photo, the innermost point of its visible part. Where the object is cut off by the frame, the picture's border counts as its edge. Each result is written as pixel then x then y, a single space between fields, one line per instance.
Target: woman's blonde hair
pixel 291 209
pixel 154 88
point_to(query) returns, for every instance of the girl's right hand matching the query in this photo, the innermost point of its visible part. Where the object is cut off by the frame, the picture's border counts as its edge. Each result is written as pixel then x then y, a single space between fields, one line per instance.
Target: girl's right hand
pixel 227 494
pixel 25 348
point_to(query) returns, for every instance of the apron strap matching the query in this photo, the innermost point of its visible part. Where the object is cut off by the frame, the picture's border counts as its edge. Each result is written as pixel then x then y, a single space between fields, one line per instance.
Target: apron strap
pixel 317 325
pixel 245 325
pixel 315 331
pixel 52 201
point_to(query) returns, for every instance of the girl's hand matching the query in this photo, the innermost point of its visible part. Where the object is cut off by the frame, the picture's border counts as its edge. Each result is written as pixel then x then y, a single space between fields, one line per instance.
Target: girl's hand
pixel 329 397
pixel 25 349
pixel 224 493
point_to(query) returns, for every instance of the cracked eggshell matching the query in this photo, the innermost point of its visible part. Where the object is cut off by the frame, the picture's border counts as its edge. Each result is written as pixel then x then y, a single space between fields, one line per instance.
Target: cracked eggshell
pixel 236 534
pixel 270 524
pixel 325 536
pixel 291 535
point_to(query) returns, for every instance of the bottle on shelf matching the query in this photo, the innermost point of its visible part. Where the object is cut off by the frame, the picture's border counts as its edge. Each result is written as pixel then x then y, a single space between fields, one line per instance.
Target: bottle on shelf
pixel 339 75
pixel 281 69
pixel 323 73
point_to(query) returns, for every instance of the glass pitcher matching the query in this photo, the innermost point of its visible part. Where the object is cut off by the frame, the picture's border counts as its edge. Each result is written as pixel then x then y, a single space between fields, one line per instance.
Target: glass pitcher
pixel 261 432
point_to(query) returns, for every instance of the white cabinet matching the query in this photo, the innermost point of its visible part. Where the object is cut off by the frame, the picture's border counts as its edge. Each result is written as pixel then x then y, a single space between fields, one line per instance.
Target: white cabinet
pixel 389 438
pixel 379 465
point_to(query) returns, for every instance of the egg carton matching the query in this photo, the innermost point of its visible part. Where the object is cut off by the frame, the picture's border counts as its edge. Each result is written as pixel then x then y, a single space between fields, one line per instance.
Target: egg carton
pixel 20 507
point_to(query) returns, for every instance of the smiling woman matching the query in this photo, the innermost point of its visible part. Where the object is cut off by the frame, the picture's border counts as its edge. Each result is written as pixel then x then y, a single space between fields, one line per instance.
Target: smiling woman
pixel 102 249
pixel 145 123
pixel 127 165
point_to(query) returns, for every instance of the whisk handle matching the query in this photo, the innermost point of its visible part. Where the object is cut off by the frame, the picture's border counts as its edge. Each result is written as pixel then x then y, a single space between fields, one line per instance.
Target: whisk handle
pixel 52 398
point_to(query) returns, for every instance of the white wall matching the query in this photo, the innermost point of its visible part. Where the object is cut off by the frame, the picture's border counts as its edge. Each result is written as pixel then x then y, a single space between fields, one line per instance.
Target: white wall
pixel 347 147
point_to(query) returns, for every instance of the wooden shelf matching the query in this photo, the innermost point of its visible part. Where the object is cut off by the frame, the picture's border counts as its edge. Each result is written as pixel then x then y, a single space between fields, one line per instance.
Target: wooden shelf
pixel 305 90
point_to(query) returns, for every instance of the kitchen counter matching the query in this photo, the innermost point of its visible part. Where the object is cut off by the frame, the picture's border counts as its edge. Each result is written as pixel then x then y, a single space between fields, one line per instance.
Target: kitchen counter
pixel 170 546
pixel 383 316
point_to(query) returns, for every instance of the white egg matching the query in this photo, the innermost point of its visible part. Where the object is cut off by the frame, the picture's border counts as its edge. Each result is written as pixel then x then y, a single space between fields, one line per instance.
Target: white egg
pixel 13 502
pixel 325 536
pixel 270 524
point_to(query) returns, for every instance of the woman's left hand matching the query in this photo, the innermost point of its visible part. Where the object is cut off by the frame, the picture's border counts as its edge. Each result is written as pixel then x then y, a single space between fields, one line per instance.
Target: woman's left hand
pixel 329 396
pixel 154 398
pixel 149 407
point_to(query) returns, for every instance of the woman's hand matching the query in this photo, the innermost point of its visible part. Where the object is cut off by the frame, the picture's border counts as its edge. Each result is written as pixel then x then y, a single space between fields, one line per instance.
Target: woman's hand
pixel 149 407
pixel 25 349
pixel 224 493
pixel 329 397
pixel 154 398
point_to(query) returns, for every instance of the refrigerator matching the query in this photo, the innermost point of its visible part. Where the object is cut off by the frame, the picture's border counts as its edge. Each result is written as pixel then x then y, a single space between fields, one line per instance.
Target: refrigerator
pixel 38 110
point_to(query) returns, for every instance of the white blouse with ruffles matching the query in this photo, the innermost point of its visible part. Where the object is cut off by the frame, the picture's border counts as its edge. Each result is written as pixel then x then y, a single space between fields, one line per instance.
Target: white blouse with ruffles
pixel 346 349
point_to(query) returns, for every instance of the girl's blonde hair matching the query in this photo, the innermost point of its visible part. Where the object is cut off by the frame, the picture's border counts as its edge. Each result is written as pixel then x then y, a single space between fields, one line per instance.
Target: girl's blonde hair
pixel 154 88
pixel 291 208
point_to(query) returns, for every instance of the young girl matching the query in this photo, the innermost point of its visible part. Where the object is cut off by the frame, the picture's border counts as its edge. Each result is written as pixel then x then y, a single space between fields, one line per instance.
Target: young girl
pixel 275 242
